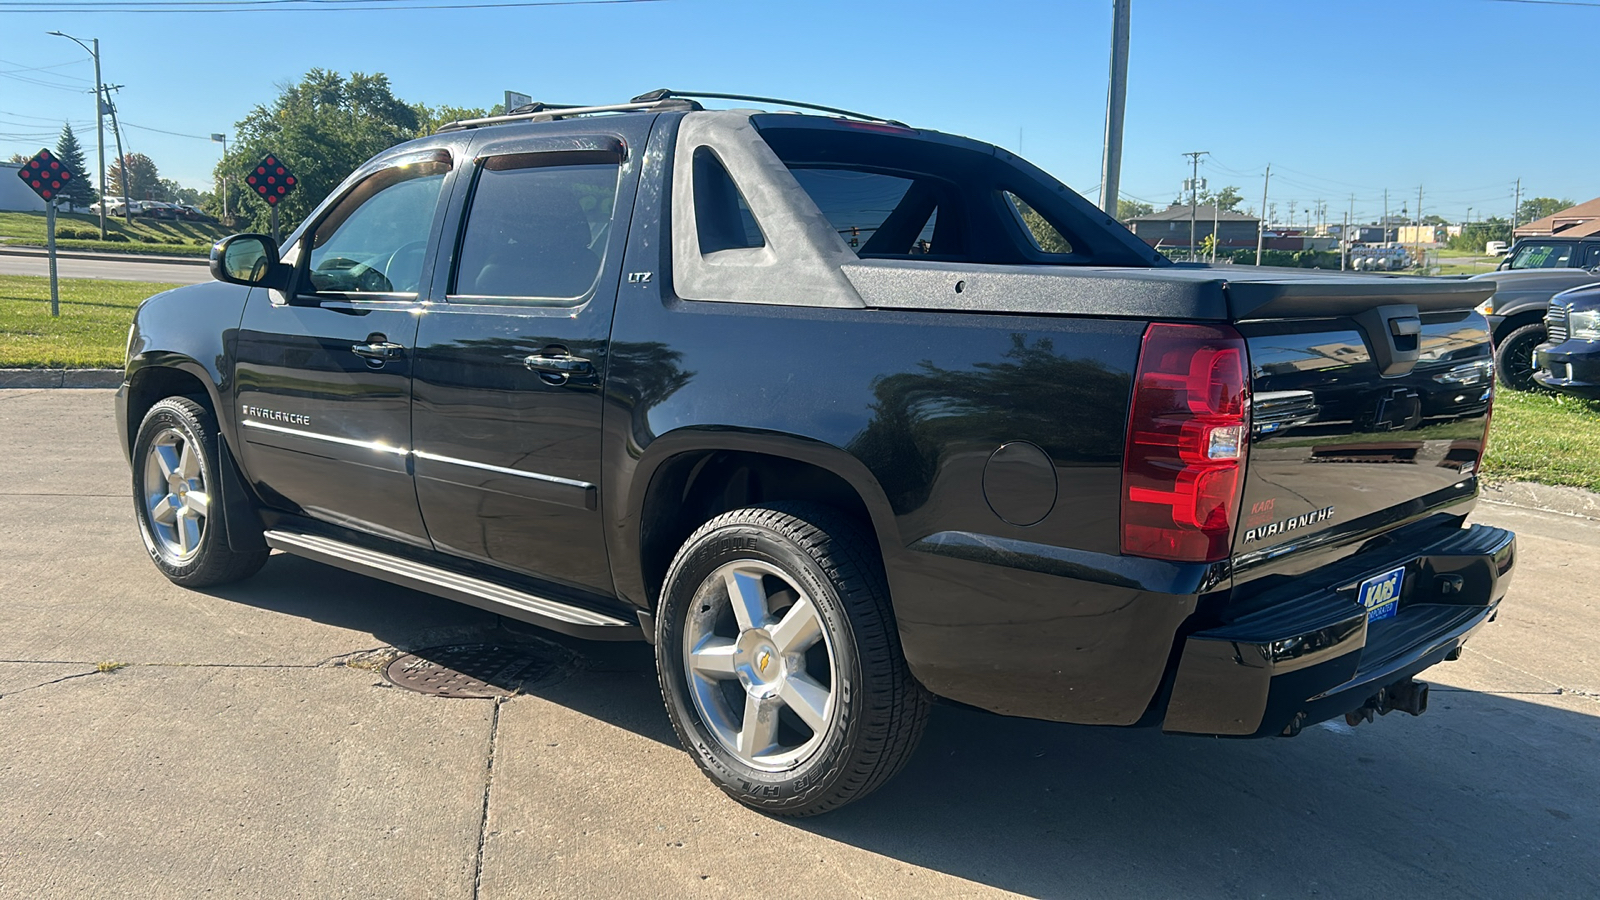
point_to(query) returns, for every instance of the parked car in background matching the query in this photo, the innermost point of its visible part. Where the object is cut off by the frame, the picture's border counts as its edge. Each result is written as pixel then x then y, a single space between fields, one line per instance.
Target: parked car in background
pixel 193 213
pixel 1569 361
pixel 1554 253
pixel 1495 248
pixel 159 209
pixel 113 206
pixel 1516 315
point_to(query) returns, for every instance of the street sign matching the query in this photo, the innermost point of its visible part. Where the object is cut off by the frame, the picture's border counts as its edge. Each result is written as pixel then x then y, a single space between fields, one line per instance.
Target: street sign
pixel 45 175
pixel 271 179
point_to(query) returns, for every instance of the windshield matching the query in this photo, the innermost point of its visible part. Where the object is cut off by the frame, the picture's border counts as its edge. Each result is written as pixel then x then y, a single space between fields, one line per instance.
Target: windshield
pixel 1542 256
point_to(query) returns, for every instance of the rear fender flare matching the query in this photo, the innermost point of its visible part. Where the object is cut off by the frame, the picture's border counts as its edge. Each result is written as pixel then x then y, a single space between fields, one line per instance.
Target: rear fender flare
pixel 627 558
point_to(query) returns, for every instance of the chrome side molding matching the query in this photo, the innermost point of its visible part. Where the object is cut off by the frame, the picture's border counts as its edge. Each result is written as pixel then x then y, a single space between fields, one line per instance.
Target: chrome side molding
pixel 542 611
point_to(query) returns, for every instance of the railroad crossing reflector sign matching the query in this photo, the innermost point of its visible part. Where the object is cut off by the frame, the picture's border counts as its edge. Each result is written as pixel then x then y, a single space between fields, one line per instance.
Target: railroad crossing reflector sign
pixel 45 175
pixel 271 179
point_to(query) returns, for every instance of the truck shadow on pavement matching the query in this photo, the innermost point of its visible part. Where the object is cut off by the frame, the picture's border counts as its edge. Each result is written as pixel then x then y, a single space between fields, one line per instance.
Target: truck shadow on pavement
pixel 1489 795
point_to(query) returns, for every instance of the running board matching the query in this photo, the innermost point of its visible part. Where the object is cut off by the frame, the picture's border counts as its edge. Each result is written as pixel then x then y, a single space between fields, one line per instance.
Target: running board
pixel 542 611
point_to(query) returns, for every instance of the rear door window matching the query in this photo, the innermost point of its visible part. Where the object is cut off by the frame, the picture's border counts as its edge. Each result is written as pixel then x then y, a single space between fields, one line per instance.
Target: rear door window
pixel 537 226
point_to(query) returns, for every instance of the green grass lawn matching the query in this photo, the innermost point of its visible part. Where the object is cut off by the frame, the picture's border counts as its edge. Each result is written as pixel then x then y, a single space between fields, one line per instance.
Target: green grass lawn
pixel 1544 438
pixel 144 235
pixel 92 331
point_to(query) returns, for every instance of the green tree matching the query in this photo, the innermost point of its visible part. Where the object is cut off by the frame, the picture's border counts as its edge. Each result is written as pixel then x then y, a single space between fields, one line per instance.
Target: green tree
pixel 1130 209
pixel 1474 236
pixel 80 190
pixel 143 179
pixel 323 128
pixel 1539 207
pixel 1227 198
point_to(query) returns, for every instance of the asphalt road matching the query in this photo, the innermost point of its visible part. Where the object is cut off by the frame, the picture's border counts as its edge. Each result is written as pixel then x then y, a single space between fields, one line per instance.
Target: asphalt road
pixel 107 269
pixel 249 749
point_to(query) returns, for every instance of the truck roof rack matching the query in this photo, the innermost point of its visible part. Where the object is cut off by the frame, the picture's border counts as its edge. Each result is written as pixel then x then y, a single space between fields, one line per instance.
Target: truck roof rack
pixel 663 94
pixel 539 111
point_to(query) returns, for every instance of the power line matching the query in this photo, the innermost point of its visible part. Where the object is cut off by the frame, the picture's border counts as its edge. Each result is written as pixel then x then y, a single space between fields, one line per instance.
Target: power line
pixel 241 6
pixel 1588 3
pixel 197 137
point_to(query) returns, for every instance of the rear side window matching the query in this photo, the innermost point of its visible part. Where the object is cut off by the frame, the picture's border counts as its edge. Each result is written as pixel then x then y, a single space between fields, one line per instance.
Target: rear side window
pixel 537 226
pixel 722 216
pixel 1046 237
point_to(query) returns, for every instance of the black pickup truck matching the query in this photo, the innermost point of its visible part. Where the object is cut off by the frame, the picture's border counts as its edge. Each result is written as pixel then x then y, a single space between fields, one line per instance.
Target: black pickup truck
pixel 843 416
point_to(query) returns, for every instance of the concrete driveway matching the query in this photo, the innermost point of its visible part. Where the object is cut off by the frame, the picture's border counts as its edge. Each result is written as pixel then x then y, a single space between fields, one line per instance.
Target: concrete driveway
pixel 250 749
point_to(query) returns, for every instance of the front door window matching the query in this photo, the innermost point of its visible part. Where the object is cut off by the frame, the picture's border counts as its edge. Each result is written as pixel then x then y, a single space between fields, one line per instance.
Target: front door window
pixel 373 241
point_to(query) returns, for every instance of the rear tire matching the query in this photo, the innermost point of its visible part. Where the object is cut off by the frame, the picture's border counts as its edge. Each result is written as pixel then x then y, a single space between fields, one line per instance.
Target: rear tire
pixel 1513 357
pixel 177 494
pixel 780 663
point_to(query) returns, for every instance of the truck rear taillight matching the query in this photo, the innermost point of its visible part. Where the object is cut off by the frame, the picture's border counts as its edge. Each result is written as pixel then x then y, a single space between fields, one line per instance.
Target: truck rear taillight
pixel 1188 428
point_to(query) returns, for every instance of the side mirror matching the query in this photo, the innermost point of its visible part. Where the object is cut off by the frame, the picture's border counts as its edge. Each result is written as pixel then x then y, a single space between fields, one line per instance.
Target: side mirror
pixel 1504 264
pixel 250 260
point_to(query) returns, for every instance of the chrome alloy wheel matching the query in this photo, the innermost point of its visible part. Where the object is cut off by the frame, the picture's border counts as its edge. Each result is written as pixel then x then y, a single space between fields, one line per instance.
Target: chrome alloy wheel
pixel 175 495
pixel 760 665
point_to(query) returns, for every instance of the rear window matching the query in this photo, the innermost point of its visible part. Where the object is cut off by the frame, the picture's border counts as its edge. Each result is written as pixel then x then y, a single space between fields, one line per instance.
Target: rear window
pixel 860 205
pixel 897 194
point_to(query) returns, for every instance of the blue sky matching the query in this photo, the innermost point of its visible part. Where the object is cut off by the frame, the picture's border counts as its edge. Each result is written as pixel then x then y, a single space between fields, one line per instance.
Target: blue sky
pixel 1459 96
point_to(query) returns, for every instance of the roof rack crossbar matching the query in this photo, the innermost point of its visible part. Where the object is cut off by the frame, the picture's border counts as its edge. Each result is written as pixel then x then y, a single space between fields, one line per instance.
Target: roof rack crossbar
pixel 666 93
pixel 549 111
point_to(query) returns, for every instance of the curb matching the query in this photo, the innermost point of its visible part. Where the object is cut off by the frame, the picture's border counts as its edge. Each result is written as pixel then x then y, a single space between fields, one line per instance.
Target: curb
pixel 60 378
pixel 107 257
pixel 1567 501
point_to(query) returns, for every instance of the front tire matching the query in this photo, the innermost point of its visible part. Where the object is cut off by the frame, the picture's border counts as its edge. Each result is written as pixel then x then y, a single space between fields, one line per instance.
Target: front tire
pixel 1513 357
pixel 177 499
pixel 780 663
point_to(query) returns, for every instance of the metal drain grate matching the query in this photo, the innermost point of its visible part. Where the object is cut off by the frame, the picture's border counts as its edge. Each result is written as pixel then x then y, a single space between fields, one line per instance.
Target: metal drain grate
pixel 477 671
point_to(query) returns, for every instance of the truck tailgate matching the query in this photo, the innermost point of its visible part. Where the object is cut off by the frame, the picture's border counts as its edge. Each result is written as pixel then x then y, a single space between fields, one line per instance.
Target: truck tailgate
pixel 1370 400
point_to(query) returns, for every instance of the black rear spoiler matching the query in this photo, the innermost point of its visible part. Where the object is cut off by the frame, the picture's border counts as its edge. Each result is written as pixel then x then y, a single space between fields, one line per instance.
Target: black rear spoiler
pixel 1196 293
pixel 1348 296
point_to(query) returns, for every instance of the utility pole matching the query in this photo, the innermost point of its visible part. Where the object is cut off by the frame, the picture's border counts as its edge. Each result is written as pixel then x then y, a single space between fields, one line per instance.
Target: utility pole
pixel 1344 244
pixel 122 161
pixel 1261 230
pixel 223 138
pixel 1385 217
pixel 1419 225
pixel 1516 208
pixel 1194 194
pixel 1116 104
pixel 99 122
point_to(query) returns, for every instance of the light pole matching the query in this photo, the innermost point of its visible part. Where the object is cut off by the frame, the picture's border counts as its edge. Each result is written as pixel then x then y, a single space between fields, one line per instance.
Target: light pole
pixel 99 121
pixel 224 139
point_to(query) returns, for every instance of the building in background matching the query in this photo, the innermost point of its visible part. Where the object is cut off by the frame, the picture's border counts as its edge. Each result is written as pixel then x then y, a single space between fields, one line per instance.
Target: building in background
pixel 14 195
pixel 1170 227
pixel 1584 216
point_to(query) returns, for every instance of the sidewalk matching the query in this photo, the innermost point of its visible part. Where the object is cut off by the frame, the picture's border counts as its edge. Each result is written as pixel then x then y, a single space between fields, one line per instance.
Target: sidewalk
pixel 19 250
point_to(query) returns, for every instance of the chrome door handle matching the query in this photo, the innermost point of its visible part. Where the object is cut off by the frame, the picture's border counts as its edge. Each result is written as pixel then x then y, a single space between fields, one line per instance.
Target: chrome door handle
pixel 379 351
pixel 556 366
